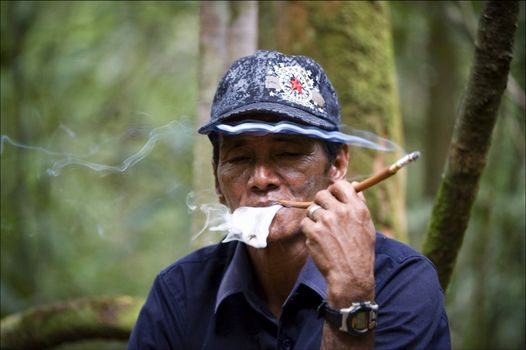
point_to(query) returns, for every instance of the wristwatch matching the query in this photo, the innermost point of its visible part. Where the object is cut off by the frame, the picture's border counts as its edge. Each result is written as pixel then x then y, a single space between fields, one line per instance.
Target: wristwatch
pixel 358 319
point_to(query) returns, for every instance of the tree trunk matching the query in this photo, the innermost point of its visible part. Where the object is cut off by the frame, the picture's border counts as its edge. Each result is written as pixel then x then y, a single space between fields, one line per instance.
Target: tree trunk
pixel 82 319
pixel 228 30
pixel 471 136
pixel 352 41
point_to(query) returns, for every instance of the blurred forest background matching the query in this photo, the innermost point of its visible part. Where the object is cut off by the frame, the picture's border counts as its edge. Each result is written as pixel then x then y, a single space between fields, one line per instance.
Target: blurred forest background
pixel 98 105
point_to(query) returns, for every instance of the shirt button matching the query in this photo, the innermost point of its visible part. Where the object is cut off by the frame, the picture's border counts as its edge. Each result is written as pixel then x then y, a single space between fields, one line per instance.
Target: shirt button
pixel 287 344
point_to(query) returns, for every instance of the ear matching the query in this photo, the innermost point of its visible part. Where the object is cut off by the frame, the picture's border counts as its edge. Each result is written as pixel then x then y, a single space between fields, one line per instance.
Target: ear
pixel 219 193
pixel 338 169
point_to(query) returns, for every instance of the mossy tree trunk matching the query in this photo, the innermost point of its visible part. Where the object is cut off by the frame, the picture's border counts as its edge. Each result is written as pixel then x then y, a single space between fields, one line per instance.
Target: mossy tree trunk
pixel 228 30
pixel 352 41
pixel 471 136
pixel 75 320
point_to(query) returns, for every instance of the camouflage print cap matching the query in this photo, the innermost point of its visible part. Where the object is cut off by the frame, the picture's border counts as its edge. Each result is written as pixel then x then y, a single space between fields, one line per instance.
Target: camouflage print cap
pixel 271 83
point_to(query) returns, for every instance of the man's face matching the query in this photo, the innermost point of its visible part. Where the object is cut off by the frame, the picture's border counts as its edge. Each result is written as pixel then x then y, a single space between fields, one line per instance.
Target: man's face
pixel 256 171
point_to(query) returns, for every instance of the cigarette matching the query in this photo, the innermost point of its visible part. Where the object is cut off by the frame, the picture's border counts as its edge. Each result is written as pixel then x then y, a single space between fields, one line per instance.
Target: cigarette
pixel 365 184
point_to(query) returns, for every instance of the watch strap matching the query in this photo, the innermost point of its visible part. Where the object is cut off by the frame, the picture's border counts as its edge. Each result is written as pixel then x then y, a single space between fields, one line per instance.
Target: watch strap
pixel 333 316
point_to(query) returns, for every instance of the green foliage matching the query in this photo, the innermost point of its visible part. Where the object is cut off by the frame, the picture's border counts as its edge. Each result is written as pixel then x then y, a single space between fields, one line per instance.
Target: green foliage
pixel 488 285
pixel 92 82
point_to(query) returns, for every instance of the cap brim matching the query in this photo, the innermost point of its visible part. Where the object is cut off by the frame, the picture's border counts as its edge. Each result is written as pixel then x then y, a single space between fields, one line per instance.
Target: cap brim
pixel 271 108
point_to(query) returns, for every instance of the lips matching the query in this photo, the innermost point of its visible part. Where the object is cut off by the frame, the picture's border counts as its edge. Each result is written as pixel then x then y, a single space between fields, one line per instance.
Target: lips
pixel 264 201
pixel 263 204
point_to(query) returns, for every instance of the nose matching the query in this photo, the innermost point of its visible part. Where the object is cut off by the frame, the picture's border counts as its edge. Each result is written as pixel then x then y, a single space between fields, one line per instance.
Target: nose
pixel 263 178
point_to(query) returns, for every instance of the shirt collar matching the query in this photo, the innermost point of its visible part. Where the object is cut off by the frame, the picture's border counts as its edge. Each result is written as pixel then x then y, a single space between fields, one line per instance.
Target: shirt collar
pixel 239 278
pixel 311 277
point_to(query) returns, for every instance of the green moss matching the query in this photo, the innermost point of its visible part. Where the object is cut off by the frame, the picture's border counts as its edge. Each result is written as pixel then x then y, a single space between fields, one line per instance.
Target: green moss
pixel 49 325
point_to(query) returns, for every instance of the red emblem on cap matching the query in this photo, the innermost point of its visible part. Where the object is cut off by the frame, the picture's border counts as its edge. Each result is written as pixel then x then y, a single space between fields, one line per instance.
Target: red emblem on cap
pixel 296 85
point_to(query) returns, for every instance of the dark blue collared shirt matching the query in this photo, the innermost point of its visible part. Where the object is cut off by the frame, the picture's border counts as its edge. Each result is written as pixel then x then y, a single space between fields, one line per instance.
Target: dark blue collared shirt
pixel 209 300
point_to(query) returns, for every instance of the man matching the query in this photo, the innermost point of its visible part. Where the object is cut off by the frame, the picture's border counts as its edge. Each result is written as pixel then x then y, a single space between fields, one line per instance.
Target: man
pixel 325 279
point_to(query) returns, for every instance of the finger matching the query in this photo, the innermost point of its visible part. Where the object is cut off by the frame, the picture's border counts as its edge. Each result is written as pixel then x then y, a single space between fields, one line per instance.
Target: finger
pixel 324 199
pixel 339 190
pixel 306 223
pixel 311 211
pixel 311 229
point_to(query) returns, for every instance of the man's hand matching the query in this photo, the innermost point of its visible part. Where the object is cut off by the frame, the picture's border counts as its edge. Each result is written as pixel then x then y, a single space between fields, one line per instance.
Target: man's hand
pixel 340 237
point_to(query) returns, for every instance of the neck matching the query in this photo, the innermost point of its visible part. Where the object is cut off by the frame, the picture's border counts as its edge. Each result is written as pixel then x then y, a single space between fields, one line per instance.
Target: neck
pixel 277 268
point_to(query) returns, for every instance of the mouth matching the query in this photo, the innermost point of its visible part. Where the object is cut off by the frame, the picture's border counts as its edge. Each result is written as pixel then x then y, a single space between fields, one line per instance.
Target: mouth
pixel 265 203
pixel 268 202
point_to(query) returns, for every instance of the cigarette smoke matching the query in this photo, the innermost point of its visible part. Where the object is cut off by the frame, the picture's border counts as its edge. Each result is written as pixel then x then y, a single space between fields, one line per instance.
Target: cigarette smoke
pixel 177 133
pixel 214 214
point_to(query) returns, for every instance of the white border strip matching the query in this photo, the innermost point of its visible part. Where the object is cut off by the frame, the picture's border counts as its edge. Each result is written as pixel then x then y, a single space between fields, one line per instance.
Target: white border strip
pixel 291 128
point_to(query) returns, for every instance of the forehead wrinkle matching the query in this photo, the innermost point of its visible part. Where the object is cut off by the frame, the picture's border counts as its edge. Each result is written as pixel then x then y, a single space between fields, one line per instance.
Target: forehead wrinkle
pixel 233 141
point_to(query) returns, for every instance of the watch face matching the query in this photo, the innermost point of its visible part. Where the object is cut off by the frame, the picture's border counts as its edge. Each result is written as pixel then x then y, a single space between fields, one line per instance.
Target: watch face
pixel 360 320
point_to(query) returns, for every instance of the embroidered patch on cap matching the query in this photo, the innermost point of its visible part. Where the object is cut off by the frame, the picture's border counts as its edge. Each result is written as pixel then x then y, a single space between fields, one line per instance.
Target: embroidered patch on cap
pixel 294 84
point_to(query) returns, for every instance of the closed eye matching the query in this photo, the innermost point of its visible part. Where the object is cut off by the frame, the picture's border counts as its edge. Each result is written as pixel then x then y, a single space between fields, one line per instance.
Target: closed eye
pixel 289 154
pixel 238 159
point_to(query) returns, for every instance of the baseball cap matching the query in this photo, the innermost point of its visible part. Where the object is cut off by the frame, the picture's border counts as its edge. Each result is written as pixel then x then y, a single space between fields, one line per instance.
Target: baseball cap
pixel 272 83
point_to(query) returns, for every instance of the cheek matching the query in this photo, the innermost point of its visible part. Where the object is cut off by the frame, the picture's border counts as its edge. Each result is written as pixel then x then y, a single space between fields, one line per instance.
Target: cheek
pixel 285 223
pixel 307 185
pixel 230 185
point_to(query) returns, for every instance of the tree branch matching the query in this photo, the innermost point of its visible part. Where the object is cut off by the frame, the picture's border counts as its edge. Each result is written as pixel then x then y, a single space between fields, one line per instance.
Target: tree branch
pixel 465 8
pixel 471 136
